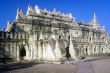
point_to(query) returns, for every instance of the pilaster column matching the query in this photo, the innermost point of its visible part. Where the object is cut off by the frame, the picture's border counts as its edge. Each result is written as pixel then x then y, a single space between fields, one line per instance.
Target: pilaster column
pixel 35 50
pixel 18 51
pixel 44 50
pixel 32 51
pixel 39 49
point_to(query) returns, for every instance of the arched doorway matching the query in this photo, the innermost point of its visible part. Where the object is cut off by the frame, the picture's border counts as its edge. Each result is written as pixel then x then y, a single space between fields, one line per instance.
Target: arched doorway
pixel 68 56
pixel 22 53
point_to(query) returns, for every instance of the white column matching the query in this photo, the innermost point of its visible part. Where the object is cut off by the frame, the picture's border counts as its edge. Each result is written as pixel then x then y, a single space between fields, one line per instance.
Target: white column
pixel 27 52
pixel 44 50
pixel 93 47
pixel 97 49
pixel 50 54
pixel 11 49
pixel 14 50
pixel 72 50
pixel 32 51
pixel 39 49
pixel 18 51
pixel 35 50
pixel 57 50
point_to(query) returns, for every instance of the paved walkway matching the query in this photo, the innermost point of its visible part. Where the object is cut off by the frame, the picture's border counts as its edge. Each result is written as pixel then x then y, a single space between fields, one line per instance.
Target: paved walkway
pixel 94 65
pixel 41 68
pixel 85 67
pixel 101 66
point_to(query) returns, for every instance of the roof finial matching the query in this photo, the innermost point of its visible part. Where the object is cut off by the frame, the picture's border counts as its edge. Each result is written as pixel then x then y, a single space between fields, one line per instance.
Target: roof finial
pixel 37 9
pixel 95 23
pixel 54 11
pixel 45 10
pixel 18 13
pixel 94 15
pixel 29 10
pixel 103 27
pixel 70 15
pixel 94 18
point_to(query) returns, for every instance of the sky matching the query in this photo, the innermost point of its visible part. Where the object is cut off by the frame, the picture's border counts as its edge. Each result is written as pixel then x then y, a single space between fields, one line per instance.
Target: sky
pixel 82 10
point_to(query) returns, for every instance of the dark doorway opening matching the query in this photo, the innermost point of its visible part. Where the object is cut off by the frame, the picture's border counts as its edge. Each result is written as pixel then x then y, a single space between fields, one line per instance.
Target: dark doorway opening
pixel 68 56
pixel 22 53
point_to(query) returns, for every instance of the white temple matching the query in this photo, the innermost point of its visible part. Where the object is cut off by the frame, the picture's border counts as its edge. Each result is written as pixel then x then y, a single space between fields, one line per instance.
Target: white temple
pixel 46 36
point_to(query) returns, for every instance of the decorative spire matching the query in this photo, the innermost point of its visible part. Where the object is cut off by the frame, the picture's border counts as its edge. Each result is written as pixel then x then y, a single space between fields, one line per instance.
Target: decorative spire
pixel 94 15
pixel 29 10
pixel 49 12
pixel 70 15
pixel 18 13
pixel 3 29
pixel 67 14
pixel 59 13
pixel 21 12
pixel 95 23
pixel 63 14
pixel 54 11
pixel 45 10
pixel 103 28
pixel 9 26
pixel 37 9
pixel 94 18
pixel 8 23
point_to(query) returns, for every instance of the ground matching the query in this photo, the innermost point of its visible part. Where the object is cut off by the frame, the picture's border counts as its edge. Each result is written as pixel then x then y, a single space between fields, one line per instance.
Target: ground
pixel 90 65
pixel 101 66
pixel 39 68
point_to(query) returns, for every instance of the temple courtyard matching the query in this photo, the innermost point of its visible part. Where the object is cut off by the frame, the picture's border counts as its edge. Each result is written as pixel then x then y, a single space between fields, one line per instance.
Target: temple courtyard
pixel 88 65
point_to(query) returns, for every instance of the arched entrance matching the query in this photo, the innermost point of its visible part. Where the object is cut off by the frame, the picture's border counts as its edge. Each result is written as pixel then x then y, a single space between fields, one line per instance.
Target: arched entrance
pixel 68 56
pixel 22 53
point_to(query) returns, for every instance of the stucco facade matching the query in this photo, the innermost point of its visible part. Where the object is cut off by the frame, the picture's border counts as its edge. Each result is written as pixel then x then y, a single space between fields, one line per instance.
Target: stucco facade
pixel 51 36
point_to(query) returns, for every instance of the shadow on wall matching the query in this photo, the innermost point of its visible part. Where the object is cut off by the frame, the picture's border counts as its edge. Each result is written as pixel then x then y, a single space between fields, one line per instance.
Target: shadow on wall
pixel 4 56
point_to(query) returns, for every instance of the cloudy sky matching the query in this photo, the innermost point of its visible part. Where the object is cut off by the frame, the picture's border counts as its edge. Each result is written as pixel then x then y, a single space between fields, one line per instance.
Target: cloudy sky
pixel 82 10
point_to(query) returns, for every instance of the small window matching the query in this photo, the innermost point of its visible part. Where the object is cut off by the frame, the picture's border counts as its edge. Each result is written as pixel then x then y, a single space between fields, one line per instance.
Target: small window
pixel 59 36
pixel 4 35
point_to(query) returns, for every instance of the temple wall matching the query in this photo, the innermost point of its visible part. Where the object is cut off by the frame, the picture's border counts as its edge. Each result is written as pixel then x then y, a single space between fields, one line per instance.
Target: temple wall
pixel 48 39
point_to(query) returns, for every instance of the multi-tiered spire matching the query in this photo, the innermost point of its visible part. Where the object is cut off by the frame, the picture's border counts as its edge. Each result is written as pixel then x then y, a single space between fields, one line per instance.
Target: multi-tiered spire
pixel 95 23
pixel 94 18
